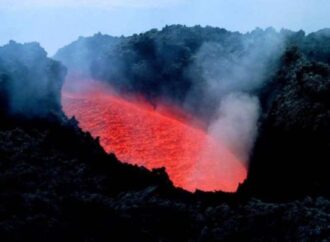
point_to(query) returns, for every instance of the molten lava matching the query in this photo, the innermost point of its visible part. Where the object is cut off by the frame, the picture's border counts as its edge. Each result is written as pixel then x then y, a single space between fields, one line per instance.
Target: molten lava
pixel 140 134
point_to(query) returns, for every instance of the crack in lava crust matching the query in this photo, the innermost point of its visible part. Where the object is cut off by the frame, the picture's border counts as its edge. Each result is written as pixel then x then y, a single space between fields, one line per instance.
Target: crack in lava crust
pixel 139 134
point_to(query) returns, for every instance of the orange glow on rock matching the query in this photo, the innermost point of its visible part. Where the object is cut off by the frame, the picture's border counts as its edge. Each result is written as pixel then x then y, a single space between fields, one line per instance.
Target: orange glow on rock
pixel 140 134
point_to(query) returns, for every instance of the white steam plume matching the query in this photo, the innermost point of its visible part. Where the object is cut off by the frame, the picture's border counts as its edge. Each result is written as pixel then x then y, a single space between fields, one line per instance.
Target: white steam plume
pixel 233 78
pixel 236 125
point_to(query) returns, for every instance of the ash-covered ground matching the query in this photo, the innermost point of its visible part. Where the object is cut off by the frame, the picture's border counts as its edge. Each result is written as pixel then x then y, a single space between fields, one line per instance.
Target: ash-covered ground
pixel 58 184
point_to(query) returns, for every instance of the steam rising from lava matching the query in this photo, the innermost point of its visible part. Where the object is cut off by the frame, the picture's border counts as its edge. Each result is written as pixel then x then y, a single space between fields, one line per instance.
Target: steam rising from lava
pixel 233 81
pixel 140 134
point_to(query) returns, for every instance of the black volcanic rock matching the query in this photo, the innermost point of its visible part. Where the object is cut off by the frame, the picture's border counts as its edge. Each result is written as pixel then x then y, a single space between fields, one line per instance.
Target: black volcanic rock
pixel 30 83
pixel 317 46
pixel 293 148
pixel 57 184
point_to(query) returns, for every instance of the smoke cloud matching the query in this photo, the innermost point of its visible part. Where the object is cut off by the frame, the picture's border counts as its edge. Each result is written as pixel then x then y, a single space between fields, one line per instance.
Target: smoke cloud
pixel 233 81
pixel 236 125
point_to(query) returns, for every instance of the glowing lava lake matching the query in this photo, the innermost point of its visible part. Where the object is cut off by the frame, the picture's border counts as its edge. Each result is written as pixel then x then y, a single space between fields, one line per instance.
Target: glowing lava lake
pixel 140 134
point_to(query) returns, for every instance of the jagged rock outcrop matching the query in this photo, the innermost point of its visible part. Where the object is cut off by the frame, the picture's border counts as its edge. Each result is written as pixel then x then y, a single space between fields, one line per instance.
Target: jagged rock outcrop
pixel 291 154
pixel 30 83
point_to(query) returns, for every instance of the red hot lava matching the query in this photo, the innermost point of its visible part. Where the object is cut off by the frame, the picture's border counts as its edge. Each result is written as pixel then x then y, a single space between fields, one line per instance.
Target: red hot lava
pixel 139 134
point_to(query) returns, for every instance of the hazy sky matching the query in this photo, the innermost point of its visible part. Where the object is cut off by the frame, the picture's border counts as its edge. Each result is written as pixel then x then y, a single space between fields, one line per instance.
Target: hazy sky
pixel 55 23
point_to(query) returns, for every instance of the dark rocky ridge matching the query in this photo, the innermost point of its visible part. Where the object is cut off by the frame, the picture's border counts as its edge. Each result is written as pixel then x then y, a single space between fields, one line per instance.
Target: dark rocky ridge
pixel 176 63
pixel 30 83
pixel 57 184
pixel 291 155
pixel 169 64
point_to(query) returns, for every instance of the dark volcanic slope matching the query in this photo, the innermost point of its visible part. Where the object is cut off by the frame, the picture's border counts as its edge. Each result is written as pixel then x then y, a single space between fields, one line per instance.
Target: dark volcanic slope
pixel 30 83
pixel 177 63
pixel 57 184
pixel 291 156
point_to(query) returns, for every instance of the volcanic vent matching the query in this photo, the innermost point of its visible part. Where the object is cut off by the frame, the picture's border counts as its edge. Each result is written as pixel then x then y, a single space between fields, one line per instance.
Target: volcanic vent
pixel 141 134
